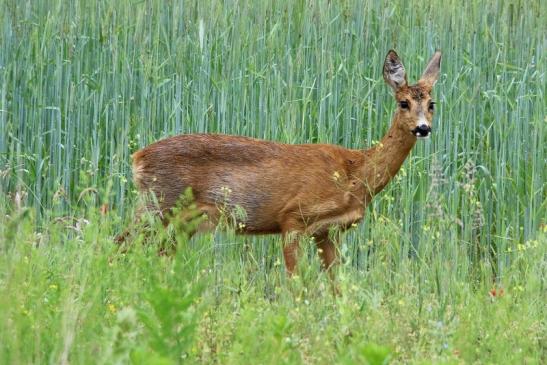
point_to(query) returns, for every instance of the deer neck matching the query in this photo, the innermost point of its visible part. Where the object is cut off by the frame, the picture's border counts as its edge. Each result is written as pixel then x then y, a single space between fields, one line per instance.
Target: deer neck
pixel 383 161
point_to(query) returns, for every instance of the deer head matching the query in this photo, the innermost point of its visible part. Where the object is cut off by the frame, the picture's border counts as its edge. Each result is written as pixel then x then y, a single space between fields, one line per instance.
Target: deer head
pixel 415 106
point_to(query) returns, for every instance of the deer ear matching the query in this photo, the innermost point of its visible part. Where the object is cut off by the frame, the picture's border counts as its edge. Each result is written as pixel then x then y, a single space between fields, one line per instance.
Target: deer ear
pixel 394 71
pixel 431 73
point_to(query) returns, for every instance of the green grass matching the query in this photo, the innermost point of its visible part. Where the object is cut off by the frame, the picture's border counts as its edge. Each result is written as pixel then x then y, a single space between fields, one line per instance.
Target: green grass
pixel 83 84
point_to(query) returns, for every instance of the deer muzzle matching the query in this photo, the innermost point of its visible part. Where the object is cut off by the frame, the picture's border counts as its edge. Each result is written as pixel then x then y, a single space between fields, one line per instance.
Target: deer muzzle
pixel 422 131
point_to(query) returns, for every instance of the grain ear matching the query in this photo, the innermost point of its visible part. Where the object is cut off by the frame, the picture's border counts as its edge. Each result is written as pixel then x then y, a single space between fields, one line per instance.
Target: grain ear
pixel 394 71
pixel 431 73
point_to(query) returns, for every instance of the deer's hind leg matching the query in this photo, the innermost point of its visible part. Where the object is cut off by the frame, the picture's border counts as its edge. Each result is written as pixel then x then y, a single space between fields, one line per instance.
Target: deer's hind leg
pixel 187 223
pixel 136 226
pixel 210 217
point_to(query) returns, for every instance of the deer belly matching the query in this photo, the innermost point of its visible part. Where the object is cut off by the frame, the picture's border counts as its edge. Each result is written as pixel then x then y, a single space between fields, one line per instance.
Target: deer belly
pixel 342 220
pixel 252 211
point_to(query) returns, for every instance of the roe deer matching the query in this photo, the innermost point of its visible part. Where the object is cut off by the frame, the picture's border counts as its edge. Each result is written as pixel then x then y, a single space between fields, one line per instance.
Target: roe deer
pixel 284 188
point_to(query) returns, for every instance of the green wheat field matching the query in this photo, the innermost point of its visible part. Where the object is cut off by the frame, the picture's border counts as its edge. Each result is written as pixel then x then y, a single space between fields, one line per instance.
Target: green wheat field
pixel 448 267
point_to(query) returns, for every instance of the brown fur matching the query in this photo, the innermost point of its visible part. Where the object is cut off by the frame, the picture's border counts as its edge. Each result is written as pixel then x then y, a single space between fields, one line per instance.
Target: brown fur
pixel 282 188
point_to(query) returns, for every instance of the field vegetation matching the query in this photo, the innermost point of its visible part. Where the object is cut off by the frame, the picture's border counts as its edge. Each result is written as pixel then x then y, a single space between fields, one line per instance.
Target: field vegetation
pixel 448 267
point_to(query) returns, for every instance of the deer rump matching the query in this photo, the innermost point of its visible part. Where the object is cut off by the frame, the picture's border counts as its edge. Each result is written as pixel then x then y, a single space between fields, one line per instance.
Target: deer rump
pixel 279 187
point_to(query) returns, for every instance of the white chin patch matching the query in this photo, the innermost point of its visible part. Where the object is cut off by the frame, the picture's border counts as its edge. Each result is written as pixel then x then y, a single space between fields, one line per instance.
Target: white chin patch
pixel 419 136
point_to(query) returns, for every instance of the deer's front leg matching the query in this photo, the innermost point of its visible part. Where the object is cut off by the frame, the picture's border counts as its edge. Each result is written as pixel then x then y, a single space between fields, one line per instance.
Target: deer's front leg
pixel 290 251
pixel 326 250
pixel 329 258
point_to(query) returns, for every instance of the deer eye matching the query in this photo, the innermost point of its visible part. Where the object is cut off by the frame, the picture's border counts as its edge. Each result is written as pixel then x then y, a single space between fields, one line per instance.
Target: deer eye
pixel 404 104
pixel 431 106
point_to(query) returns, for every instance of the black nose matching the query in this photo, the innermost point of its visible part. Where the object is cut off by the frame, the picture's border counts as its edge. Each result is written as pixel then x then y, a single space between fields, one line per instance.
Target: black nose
pixel 422 130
